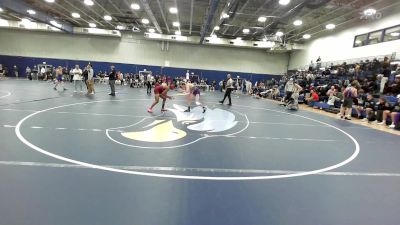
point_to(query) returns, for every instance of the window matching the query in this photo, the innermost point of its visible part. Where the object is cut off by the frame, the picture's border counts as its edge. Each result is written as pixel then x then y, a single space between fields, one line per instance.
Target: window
pixel 392 34
pixel 360 40
pixel 375 37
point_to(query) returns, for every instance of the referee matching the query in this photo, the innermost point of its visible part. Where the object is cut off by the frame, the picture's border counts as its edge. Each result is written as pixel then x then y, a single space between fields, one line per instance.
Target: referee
pixel 228 91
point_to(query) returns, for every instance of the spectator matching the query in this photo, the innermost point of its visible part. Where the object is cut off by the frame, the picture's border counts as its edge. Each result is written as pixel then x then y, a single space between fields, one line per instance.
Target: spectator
pixel 16 71
pixel 1 71
pixel 331 92
pixel 90 80
pixel 313 98
pixel 112 76
pixel 368 106
pixel 43 72
pixel 213 85
pixel 395 114
pixel 289 89
pixel 384 109
pixel 394 89
pixel 28 73
pixel 77 72
pixel 386 73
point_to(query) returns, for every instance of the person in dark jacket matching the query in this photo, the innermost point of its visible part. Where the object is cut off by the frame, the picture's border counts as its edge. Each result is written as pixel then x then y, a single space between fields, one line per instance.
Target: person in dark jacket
pixel 112 76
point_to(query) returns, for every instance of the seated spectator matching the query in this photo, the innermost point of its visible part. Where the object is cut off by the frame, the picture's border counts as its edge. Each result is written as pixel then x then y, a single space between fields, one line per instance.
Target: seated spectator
pixel 394 89
pixel 367 106
pixel 384 109
pixel 313 98
pixel 395 113
pixel 275 92
pixel 331 91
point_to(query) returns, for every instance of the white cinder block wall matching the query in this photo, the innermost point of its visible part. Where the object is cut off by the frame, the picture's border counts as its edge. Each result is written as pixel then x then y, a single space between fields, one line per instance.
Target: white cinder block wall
pixel 136 50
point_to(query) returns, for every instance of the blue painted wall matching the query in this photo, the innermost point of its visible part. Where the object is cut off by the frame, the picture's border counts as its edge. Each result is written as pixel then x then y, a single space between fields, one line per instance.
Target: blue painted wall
pixel 23 62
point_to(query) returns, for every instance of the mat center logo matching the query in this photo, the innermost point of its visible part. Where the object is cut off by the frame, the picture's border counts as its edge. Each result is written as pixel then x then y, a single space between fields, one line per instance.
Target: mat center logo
pixel 176 128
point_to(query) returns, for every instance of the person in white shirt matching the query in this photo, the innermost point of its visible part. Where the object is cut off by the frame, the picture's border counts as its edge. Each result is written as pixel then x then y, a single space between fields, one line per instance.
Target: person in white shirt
pixel 248 87
pixel 187 75
pixel 77 72
pixel 141 78
pixel 28 72
pixel 43 72
pixel 16 71
pixel 289 89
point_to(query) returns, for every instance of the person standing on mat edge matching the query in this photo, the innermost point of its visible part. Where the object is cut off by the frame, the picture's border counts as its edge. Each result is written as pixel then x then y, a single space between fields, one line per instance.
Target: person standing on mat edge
pixel 348 95
pixel 386 74
pixel 229 88
pixel 112 76
pixel 77 78
pixel 16 71
pixel 149 83
pixel 89 82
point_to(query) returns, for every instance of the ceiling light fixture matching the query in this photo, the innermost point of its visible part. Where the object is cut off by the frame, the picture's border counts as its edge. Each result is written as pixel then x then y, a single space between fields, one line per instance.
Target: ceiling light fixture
pixel 88 2
pixel 262 19
pixel 279 34
pixel 213 36
pixel 330 26
pixel 75 15
pixel 50 1
pixel 3 23
pixel 225 15
pixel 306 36
pixel 145 21
pixel 28 24
pixel 297 22
pixel 135 6
pixel 178 32
pixel 92 25
pixel 31 12
pixel 284 2
pixel 238 38
pixel 25 21
pixel 369 12
pixel 395 34
pixel 176 24
pixel 173 10
pixel 120 27
pixel 107 17
pixel 151 30
pixel 54 23
pixel 1 10
pixel 246 31
pixel 216 28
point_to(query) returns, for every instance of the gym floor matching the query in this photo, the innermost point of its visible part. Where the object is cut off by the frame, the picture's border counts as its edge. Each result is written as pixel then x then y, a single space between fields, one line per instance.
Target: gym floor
pixel 72 159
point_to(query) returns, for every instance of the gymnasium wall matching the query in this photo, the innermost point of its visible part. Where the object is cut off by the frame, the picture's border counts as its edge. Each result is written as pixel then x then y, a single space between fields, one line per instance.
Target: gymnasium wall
pixel 338 44
pixel 217 75
pixel 133 49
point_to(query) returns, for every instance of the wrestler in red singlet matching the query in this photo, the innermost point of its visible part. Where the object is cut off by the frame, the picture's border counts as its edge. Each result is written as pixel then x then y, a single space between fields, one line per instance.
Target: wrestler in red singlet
pixel 160 91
